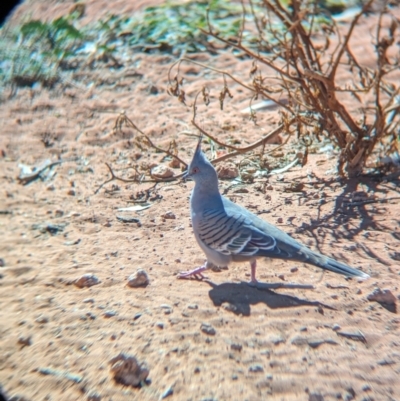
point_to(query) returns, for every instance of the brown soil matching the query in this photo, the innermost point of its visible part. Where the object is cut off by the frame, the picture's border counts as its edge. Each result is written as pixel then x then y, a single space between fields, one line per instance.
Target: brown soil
pixel 268 344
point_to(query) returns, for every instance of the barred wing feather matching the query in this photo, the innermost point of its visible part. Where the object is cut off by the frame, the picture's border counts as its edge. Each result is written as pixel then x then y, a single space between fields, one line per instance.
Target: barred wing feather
pixel 233 235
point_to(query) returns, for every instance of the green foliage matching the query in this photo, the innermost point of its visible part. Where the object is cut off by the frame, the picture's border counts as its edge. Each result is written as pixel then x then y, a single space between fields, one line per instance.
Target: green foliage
pixel 174 26
pixel 58 39
pixel 39 51
pixel 35 51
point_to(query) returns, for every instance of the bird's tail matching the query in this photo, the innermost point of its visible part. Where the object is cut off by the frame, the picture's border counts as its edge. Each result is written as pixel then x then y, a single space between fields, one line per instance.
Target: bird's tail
pixel 330 264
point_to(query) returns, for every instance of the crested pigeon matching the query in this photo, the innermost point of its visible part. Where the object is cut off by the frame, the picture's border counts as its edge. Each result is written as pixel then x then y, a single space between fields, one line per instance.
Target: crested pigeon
pixel 227 232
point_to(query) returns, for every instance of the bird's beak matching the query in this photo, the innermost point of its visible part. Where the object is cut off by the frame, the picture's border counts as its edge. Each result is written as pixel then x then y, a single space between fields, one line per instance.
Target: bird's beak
pixel 186 176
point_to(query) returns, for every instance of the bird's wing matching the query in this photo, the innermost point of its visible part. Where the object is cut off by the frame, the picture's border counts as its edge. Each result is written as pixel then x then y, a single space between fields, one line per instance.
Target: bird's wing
pixel 233 234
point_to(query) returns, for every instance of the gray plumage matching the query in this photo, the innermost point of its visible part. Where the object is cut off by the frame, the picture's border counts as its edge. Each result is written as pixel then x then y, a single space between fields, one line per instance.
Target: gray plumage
pixel 227 232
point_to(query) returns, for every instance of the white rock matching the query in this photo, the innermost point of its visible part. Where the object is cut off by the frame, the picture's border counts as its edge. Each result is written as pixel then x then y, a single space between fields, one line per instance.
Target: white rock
pixel 169 215
pixel 87 280
pixel 208 329
pixel 138 279
pixel 162 171
pixel 127 371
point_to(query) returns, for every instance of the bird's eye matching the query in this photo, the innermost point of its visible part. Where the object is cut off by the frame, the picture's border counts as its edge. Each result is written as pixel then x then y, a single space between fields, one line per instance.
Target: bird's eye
pixel 195 170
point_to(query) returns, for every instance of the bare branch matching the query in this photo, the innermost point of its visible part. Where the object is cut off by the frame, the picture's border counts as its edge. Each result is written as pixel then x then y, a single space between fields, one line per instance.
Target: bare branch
pixel 124 119
pixel 344 45
pixel 138 180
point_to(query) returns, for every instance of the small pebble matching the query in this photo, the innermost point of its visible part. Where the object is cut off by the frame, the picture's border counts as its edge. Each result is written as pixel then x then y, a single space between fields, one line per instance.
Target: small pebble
pixel 241 191
pixel 160 325
pixel 277 339
pixel 294 269
pixel 236 346
pixel 162 171
pixel 366 387
pixel 206 328
pixel 109 313
pixel 256 368
pixel 93 396
pixel 227 171
pixel 229 307
pixel 41 319
pixel 336 327
pixel 350 394
pixel 169 391
pixel 166 308
pixel 25 340
pixel 127 219
pixel 279 220
pixel 138 279
pixel 386 362
pixel 169 215
pixel 87 280
pixel 88 301
pixel 126 370
pixel 2 262
pixel 91 316
pixel 193 306
pixel 153 90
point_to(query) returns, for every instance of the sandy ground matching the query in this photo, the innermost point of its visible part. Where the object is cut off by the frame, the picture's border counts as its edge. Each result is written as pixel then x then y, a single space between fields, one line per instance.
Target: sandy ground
pixel 217 339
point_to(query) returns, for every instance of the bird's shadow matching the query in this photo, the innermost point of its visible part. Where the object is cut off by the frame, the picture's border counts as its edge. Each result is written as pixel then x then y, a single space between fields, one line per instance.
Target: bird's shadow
pixel 240 296
pixel 349 218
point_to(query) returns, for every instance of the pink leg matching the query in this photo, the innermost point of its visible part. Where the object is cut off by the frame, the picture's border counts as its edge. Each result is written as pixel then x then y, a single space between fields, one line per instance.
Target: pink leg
pixel 253 265
pixel 196 273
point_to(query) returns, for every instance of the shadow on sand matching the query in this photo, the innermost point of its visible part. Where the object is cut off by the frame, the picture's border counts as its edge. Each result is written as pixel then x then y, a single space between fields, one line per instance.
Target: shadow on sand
pixel 352 213
pixel 240 296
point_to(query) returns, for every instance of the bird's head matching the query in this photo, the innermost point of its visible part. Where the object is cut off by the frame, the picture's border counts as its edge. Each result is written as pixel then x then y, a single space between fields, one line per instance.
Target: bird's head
pixel 200 169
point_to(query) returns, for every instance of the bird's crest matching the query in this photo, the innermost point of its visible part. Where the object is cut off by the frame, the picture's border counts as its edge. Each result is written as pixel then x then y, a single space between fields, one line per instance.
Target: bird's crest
pixel 199 156
pixel 198 147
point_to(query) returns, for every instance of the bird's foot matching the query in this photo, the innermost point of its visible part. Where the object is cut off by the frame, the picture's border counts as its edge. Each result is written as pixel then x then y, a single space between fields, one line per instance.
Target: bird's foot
pixel 196 273
pixel 253 282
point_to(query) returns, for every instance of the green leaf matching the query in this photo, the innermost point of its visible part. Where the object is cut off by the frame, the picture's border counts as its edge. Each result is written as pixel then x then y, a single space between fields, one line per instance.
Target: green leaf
pixel 34 28
pixel 62 25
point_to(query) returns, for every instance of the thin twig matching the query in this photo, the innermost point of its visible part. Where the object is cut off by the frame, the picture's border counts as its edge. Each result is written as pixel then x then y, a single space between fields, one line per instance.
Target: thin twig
pixel 344 45
pixel 123 118
pixel 353 336
pixel 138 180
pixel 254 145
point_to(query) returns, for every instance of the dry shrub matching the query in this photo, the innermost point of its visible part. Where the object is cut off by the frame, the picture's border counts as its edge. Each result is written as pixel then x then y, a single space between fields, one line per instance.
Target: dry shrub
pixel 298 54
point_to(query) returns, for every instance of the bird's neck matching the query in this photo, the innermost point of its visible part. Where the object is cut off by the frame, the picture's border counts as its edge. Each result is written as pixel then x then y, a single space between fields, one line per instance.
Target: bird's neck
pixel 204 197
